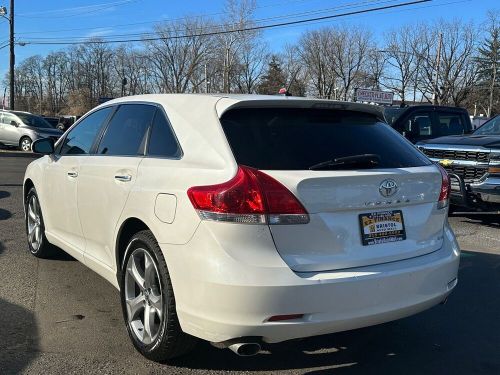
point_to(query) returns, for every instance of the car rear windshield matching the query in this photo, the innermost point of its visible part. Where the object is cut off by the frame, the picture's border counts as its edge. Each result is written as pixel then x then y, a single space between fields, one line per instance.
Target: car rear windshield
pixel 298 138
pixel 391 114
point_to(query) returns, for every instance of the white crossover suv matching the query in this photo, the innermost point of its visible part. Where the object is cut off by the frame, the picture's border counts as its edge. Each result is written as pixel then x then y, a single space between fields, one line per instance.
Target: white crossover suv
pixel 244 219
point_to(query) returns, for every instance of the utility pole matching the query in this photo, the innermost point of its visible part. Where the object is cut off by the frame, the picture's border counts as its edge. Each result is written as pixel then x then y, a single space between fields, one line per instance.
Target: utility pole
pixel 12 55
pixel 206 78
pixel 10 18
pixel 226 75
pixel 438 65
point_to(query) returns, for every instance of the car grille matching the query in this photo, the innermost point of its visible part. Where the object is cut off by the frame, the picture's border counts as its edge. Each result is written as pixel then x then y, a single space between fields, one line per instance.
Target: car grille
pixel 468 174
pixel 457 155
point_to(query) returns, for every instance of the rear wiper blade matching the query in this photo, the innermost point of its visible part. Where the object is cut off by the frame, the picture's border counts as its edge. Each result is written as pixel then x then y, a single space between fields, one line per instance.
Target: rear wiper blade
pixel 364 160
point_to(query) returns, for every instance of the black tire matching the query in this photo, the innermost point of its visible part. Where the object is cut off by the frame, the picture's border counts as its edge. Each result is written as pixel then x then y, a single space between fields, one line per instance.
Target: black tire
pixel 45 249
pixel 25 139
pixel 171 341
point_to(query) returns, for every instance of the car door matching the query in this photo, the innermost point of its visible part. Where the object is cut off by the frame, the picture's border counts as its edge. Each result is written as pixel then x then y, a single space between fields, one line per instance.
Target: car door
pixel 60 186
pixel 10 132
pixel 107 177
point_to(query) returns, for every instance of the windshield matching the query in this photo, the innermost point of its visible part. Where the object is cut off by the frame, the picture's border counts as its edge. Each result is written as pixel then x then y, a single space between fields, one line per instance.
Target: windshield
pixel 491 127
pixel 391 114
pixel 34 121
pixel 300 138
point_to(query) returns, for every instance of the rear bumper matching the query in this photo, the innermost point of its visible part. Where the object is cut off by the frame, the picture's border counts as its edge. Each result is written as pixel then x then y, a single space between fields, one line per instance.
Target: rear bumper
pixel 222 295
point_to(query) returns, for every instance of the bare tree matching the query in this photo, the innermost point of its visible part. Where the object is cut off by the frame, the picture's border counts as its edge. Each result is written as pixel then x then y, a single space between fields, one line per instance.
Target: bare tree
pixel 348 50
pixel 321 75
pixel 402 61
pixel 252 58
pixel 178 55
pixel 456 70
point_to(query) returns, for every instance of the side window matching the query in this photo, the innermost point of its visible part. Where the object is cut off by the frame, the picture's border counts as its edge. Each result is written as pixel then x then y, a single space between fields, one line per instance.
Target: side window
pixel 7 118
pixel 162 140
pixel 450 123
pixel 127 131
pixel 419 124
pixel 80 139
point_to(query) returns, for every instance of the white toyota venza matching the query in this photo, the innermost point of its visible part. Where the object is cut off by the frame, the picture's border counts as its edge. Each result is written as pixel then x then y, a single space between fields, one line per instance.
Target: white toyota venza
pixel 244 219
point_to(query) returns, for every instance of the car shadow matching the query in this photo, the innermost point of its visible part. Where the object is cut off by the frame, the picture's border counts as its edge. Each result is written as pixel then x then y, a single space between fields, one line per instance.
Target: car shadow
pixel 4 214
pixel 19 338
pixel 61 255
pixel 4 194
pixel 460 337
pixel 491 220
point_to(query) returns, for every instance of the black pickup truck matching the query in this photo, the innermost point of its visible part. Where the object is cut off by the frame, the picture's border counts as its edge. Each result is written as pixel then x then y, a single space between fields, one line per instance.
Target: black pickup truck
pixel 421 122
pixel 473 164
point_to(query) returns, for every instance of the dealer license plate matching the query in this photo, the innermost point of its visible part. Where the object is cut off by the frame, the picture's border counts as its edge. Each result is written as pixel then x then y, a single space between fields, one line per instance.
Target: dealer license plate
pixel 382 227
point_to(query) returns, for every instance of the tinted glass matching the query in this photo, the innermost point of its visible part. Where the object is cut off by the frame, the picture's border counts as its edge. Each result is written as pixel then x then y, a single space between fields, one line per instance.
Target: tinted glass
pixel 162 141
pixel 392 114
pixel 34 121
pixel 296 139
pixel 420 124
pixel 450 123
pixel 127 130
pixel 491 127
pixel 80 139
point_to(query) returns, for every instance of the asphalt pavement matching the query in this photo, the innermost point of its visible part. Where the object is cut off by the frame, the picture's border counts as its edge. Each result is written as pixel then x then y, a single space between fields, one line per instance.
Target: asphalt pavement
pixel 58 317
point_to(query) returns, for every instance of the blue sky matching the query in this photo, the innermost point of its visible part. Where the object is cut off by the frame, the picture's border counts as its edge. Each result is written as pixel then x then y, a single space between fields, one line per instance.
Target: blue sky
pixel 82 18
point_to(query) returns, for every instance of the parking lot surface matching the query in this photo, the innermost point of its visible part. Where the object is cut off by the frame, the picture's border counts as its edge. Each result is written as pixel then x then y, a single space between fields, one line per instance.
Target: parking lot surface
pixel 58 317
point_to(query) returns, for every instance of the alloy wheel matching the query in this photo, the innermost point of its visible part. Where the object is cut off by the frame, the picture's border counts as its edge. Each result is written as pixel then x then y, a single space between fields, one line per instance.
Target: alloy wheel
pixel 143 296
pixel 26 144
pixel 34 223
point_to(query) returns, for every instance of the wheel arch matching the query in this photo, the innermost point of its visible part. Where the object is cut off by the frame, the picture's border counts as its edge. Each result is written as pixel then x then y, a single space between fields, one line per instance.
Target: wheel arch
pixel 28 184
pixel 24 136
pixel 129 227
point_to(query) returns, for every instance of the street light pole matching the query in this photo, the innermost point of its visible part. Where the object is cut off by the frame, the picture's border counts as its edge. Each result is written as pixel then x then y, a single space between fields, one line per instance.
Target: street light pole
pixel 12 55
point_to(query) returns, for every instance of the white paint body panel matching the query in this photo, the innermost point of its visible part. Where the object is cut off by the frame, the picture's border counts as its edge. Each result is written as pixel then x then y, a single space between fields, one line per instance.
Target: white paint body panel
pixel 228 279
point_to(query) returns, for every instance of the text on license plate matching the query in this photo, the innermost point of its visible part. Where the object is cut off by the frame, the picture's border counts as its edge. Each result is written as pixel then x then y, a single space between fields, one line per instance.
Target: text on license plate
pixel 382 227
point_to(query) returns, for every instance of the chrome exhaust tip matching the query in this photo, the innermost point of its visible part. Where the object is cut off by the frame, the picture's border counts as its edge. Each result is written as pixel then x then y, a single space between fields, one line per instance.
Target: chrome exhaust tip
pixel 245 349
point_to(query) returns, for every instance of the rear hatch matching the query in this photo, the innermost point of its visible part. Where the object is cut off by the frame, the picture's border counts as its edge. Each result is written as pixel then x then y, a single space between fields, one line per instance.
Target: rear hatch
pixel 380 207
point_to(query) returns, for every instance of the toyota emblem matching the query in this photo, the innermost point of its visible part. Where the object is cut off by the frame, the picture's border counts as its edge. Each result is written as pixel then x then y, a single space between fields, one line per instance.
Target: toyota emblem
pixel 388 188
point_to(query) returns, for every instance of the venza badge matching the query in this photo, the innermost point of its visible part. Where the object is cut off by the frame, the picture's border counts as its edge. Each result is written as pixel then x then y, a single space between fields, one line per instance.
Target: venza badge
pixel 388 188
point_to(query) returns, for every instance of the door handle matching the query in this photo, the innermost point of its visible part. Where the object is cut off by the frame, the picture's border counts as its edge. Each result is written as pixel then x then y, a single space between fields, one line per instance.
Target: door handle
pixel 73 174
pixel 123 178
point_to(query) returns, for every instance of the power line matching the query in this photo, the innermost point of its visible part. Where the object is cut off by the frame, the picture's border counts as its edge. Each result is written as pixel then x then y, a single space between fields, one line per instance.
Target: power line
pixel 200 16
pixel 239 30
pixel 232 25
pixel 98 8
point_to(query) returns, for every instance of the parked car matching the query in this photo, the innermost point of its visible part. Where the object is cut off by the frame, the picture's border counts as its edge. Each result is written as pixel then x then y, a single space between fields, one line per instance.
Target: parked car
pixel 473 163
pixel 423 122
pixel 20 129
pixel 65 122
pixel 250 219
pixel 51 120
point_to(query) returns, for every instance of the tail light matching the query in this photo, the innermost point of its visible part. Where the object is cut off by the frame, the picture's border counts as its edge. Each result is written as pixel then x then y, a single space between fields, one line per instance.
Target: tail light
pixel 250 197
pixel 444 194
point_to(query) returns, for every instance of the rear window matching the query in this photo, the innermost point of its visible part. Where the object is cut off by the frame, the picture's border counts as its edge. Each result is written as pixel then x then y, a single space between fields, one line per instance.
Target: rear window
pixel 298 138
pixel 391 114
pixel 450 123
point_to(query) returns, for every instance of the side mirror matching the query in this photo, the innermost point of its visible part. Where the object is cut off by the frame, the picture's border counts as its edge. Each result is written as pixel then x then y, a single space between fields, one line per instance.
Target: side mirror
pixel 44 146
pixel 14 123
